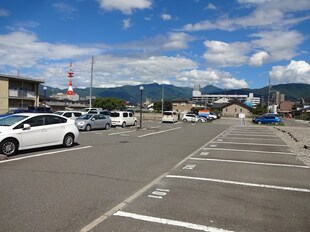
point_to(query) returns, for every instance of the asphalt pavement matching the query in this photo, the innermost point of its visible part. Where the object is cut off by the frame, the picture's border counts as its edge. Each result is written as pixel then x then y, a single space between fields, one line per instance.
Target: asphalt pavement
pixel 220 176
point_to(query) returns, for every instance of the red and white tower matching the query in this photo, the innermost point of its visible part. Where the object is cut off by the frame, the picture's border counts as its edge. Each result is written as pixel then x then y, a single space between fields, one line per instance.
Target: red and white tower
pixel 70 76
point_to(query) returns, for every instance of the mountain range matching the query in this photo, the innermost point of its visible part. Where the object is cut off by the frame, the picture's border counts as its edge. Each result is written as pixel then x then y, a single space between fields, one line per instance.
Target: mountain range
pixel 154 91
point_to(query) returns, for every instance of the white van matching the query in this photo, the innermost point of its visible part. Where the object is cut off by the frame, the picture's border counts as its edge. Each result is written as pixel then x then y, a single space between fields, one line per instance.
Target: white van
pixel 170 116
pixel 123 118
pixel 69 114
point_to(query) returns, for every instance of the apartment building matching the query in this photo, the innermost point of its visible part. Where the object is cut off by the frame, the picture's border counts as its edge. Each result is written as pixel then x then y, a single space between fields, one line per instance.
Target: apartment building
pixel 18 92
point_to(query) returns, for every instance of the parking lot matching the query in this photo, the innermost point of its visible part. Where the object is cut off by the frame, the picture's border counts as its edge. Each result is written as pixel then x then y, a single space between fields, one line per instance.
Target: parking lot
pixel 219 176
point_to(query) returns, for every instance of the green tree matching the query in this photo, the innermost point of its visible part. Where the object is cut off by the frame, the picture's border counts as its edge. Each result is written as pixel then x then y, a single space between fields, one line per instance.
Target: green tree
pixel 167 106
pixel 259 110
pixel 110 103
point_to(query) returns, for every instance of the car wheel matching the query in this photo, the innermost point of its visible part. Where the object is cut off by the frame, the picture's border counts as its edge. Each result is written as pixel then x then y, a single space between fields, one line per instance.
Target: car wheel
pixel 259 123
pixel 9 147
pixel 68 140
pixel 124 124
pixel 107 126
pixel 135 123
pixel 184 120
pixel 88 127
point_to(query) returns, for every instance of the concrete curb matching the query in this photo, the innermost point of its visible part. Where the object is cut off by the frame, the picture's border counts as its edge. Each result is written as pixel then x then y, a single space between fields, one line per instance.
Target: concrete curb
pixel 3 157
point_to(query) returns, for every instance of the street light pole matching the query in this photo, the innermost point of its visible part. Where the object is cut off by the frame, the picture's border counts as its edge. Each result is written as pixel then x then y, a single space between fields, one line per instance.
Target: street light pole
pixel 141 89
pixel 44 88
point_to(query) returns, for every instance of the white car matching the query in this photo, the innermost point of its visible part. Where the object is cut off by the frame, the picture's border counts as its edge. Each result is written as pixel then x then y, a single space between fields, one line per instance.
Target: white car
pixel 69 114
pixel 191 118
pixel 32 130
pixel 123 118
pixel 170 116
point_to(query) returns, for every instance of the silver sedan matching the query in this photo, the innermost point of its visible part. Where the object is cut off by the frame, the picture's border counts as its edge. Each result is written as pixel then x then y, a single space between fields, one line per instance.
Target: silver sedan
pixel 93 121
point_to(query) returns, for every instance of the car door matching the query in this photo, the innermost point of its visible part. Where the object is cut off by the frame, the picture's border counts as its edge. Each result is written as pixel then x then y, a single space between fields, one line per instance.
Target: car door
pixel 101 121
pixel 55 128
pixel 35 136
pixel 95 122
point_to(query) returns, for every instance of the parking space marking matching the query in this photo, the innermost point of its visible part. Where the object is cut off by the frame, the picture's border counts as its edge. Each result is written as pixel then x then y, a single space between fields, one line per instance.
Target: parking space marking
pixel 189 166
pixel 241 183
pixel 255 135
pixel 122 132
pixel 169 222
pixel 258 144
pixel 204 153
pixel 159 193
pixel 254 151
pixel 159 132
pixel 249 162
pixel 243 138
pixel 43 154
pixel 121 205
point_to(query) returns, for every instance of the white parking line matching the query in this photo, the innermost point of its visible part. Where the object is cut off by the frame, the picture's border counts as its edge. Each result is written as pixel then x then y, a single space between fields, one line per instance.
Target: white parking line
pixel 255 135
pixel 242 138
pixel 43 154
pixel 241 183
pixel 258 144
pixel 254 151
pixel 159 132
pixel 249 162
pixel 169 222
pixel 122 132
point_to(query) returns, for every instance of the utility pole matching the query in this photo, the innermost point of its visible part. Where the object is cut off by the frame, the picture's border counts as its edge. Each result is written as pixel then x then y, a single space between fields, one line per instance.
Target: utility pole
pixel 91 81
pixel 162 100
pixel 268 102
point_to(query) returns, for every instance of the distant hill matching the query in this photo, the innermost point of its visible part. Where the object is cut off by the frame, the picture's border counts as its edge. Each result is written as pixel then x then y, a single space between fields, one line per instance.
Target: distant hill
pixel 154 92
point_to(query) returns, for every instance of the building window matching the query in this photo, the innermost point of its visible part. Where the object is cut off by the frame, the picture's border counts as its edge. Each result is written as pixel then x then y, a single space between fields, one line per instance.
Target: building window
pixel 235 109
pixel 240 109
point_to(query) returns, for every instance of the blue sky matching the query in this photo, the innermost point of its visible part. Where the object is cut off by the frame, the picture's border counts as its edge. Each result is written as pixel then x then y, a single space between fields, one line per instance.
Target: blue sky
pixel 226 43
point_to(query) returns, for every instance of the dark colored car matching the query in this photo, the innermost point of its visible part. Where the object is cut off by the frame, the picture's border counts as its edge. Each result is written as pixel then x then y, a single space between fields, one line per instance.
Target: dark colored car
pixel 267 119
pixel 39 109
pixel 16 111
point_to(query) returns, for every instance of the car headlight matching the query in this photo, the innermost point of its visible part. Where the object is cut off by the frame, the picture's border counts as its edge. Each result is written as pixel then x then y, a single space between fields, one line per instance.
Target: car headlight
pixel 80 123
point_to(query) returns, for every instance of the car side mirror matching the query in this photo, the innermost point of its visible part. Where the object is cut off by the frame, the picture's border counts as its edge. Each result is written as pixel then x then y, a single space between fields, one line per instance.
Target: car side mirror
pixel 93 119
pixel 26 126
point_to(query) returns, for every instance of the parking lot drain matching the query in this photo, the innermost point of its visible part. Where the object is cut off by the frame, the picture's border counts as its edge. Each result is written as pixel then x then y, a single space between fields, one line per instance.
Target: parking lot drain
pixel 123 141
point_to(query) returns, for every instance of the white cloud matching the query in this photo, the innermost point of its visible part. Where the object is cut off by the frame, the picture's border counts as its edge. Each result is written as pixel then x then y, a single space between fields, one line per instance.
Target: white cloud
pixel 112 71
pixel 166 17
pixel 125 6
pixel 295 72
pixel 66 10
pixel 280 45
pixel 258 59
pixel 126 23
pixel 4 12
pixel 276 14
pixel 212 77
pixel 224 54
pixel 177 41
pixel 211 7
pixel 22 49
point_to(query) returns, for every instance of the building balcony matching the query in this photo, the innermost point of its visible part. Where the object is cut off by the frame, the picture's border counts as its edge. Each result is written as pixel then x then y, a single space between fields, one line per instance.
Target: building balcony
pixel 21 94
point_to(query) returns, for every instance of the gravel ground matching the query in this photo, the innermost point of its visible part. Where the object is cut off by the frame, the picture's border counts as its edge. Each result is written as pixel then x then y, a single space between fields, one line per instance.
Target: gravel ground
pixel 297 137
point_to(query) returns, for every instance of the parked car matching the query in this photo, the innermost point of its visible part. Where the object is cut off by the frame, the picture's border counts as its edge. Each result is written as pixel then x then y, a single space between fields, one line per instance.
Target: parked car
pixel 267 119
pixel 170 116
pixel 39 109
pixel 69 114
pixel 103 112
pixel 32 130
pixel 212 116
pixel 87 110
pixel 123 118
pixel 16 111
pixel 89 122
pixel 191 118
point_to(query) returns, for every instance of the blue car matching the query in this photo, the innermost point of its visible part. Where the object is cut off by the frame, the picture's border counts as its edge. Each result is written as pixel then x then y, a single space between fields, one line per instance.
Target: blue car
pixel 267 119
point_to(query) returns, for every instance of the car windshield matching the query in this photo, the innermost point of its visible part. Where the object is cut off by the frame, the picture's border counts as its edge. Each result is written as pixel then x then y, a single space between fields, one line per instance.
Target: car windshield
pixel 11 120
pixel 86 116
pixel 85 110
pixel 58 112
pixel 167 113
pixel 114 114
